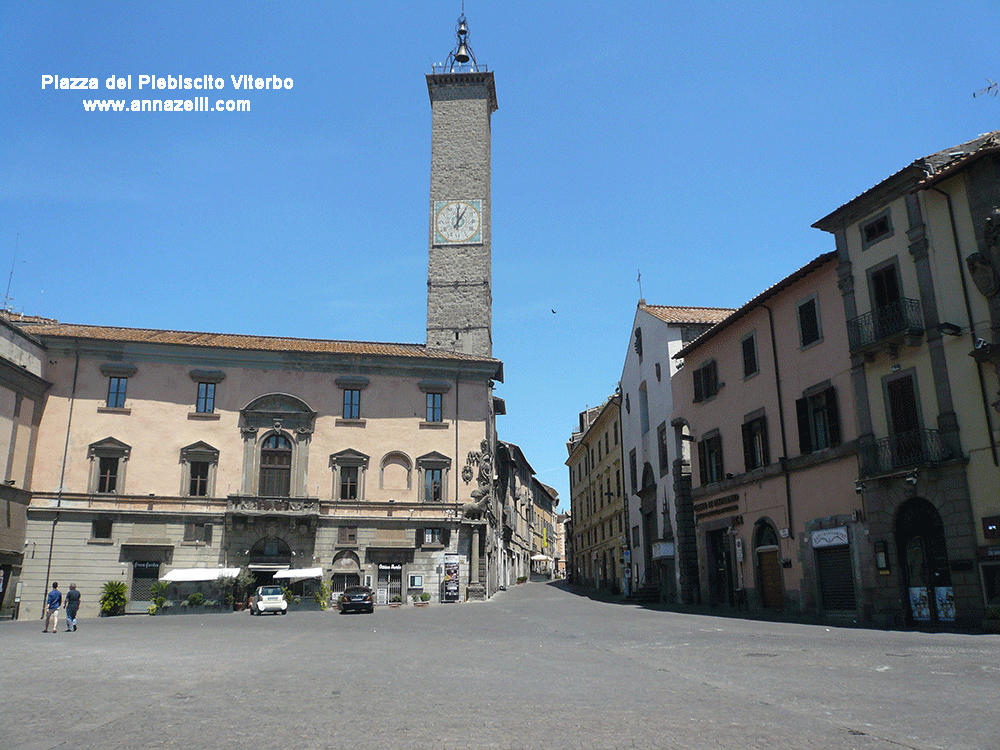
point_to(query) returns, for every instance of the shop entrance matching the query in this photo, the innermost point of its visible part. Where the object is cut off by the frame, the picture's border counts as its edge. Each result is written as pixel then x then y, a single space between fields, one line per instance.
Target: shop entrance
pixel 923 557
pixel 145 573
pixel 720 568
pixel 390 583
pixel 769 581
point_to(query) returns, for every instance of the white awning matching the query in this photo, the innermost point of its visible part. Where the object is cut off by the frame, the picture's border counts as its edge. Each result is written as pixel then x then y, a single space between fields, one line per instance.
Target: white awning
pixel 199 574
pixel 537 558
pixel 266 568
pixel 299 574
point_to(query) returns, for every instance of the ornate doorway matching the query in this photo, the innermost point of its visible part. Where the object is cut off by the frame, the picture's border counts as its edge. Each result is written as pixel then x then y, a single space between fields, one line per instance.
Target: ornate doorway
pixel 923 556
pixel 769 579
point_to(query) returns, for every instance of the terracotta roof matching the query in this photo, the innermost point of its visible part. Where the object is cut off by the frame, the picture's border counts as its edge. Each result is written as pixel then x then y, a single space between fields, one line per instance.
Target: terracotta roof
pixel 917 175
pixel 674 314
pixel 43 327
pixel 772 290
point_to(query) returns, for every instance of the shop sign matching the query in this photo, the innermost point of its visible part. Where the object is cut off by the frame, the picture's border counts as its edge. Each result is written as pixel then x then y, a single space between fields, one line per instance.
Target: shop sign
pixel 390 566
pixel 145 565
pixel 663 549
pixel 829 537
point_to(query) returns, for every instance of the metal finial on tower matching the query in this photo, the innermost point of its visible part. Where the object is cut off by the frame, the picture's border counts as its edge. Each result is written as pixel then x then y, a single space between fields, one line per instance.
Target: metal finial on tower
pixel 462 54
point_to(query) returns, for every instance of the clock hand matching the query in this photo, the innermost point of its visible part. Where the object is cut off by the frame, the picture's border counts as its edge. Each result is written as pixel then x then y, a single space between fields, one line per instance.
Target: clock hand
pixel 459 220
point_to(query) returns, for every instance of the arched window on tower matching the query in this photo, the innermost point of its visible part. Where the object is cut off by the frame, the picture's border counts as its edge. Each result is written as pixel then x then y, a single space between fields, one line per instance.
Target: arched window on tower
pixel 275 467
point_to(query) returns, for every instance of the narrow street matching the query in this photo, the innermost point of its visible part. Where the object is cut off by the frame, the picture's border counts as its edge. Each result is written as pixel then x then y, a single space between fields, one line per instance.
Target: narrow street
pixel 536 667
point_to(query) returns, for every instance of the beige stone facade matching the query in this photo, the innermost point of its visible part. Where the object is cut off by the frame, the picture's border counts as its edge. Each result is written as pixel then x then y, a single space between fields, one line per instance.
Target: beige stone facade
pixel 597 496
pixel 198 450
pixel 919 257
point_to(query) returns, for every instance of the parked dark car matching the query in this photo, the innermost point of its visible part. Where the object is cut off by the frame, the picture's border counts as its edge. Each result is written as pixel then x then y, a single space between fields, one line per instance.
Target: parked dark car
pixel 357 599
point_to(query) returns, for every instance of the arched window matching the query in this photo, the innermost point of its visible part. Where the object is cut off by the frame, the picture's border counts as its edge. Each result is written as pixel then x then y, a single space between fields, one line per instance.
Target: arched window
pixel 275 467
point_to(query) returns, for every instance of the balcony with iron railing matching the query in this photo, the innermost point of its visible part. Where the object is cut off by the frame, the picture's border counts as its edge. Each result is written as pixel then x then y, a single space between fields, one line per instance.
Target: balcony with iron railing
pixel 903 451
pixel 899 322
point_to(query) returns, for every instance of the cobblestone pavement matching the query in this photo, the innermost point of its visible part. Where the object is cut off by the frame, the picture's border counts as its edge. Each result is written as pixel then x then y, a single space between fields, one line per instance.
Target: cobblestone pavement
pixel 536 667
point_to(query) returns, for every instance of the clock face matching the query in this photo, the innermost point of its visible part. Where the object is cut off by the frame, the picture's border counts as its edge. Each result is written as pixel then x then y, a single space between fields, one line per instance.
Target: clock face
pixel 458 222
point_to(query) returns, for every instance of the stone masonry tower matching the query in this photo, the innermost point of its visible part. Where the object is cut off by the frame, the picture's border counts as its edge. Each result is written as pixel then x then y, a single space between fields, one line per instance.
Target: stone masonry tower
pixel 459 272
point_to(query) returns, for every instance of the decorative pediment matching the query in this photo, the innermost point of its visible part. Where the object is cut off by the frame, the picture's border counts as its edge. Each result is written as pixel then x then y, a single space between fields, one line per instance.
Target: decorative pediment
pixel 349 457
pixel 109 447
pixel 434 460
pixel 200 451
pixel 278 403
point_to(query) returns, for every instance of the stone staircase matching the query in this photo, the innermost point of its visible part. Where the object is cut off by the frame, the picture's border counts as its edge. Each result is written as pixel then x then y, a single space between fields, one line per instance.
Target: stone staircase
pixel 646 594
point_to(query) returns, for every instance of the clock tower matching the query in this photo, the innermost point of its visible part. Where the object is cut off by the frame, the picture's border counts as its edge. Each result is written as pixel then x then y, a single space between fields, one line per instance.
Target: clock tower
pixel 459 270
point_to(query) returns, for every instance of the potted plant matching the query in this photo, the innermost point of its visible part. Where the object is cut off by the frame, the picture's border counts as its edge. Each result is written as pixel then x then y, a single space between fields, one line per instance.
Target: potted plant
pixel 113 598
pixel 419 601
pixel 322 595
pixel 243 588
pixel 425 597
pixel 396 602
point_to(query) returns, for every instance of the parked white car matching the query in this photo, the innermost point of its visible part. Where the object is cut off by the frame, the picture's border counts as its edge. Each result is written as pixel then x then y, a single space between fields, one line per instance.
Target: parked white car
pixel 268 599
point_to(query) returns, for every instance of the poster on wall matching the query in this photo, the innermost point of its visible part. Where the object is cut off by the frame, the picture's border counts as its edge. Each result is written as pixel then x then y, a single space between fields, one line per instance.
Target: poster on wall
pixel 451 583
pixel 944 599
pixel 919 604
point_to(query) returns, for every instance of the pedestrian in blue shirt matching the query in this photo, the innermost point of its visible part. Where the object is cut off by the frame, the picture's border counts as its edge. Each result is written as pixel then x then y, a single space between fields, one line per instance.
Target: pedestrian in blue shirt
pixel 52 603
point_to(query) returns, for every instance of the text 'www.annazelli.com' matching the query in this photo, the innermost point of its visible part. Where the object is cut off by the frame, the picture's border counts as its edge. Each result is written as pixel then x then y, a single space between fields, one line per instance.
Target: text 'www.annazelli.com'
pixel 198 104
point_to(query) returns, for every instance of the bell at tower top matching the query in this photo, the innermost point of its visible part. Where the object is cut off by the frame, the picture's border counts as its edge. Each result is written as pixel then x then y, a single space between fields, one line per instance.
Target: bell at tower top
pixel 462 68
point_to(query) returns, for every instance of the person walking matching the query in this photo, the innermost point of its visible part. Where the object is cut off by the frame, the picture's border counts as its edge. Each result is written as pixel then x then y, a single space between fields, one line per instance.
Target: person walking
pixel 52 603
pixel 72 607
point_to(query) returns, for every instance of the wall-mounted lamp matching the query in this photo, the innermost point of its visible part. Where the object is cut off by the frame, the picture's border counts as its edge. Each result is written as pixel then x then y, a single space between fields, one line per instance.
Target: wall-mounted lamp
pixel 689 438
pixel 979 343
pixel 949 329
pixel 911 478
pixel 859 487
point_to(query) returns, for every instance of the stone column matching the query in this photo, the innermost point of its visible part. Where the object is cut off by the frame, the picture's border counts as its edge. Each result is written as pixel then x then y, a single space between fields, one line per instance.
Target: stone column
pixel 474 558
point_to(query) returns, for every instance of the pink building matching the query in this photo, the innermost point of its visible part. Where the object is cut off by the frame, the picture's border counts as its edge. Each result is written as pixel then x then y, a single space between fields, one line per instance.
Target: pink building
pixel 765 430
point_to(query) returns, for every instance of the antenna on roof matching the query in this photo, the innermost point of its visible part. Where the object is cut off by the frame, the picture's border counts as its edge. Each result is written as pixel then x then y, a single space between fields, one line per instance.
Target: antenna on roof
pixel 10 279
pixel 639 282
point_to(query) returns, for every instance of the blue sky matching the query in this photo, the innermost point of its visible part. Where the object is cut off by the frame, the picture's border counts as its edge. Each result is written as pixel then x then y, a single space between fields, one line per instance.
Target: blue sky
pixel 696 142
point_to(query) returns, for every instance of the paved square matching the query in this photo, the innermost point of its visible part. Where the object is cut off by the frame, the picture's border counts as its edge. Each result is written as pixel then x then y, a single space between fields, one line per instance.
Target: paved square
pixel 536 667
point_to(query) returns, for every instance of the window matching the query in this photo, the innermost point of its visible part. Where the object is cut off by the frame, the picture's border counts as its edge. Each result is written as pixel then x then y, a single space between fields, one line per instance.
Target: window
pixel 755 450
pixel 434 467
pixel 809 331
pixel 710 459
pixel 706 381
pixel 206 398
pixel 107 478
pixel 633 471
pixel 661 448
pixel 819 421
pixel 618 482
pixel 198 532
pixel 198 463
pixel 643 409
pixel 616 432
pixel 349 483
pixel 347 535
pixel 750 355
pixel 108 458
pixel 275 467
pixel 607 447
pixel 100 528
pixel 352 403
pixel 198 486
pixel 116 392
pixel 434 536
pixel 876 229
pixel 349 469
pixel 434 407
pixel 635 537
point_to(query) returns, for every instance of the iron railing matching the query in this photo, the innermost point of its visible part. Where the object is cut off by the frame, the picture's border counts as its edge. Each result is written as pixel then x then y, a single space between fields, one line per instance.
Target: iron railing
pixel 917 448
pixel 900 317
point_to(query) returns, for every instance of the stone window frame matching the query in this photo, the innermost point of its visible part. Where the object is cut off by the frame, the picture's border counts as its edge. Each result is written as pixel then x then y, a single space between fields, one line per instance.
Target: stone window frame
pixel 428 462
pixel 347 384
pixel 750 338
pixel 95 528
pixel 710 447
pixel 433 388
pixel 754 426
pixel 662 449
pixel 814 299
pixel 705 380
pixel 117 372
pixel 888 232
pixel 112 449
pixel 276 414
pixel 200 452
pixel 198 534
pixel 349 458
